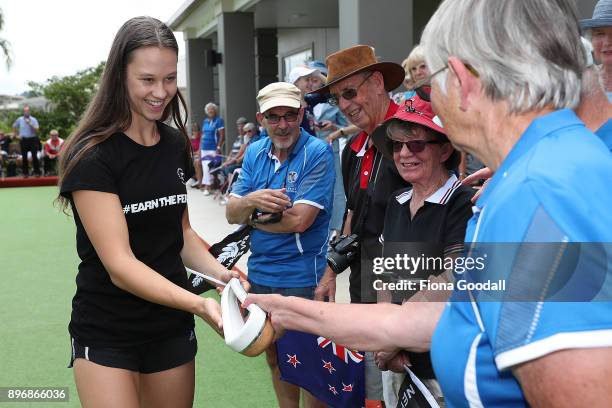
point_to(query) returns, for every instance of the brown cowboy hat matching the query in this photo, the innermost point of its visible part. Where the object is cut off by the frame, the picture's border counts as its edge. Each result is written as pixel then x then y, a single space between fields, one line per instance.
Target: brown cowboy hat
pixel 351 61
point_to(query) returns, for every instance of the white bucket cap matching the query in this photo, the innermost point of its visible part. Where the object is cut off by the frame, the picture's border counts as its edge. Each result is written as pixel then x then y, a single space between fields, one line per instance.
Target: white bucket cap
pixel 250 337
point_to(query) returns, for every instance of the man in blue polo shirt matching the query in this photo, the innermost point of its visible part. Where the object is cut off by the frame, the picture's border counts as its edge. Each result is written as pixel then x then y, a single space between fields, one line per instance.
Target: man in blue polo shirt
pixel 285 191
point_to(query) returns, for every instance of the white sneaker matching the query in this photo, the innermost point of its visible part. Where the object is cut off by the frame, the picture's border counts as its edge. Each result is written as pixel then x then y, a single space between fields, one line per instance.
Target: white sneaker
pixel 206 192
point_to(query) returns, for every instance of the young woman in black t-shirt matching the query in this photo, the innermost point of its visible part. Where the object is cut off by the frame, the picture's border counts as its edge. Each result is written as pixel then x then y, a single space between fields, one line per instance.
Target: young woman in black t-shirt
pixel 123 174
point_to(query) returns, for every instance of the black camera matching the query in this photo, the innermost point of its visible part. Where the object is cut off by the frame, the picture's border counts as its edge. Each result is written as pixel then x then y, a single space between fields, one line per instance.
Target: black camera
pixel 342 252
pixel 260 217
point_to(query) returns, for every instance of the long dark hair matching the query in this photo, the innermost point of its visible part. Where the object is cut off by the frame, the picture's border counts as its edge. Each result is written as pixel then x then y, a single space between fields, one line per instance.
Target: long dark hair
pixel 109 110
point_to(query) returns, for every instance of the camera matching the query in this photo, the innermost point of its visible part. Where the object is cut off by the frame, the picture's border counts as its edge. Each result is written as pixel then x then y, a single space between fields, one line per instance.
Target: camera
pixel 261 217
pixel 342 252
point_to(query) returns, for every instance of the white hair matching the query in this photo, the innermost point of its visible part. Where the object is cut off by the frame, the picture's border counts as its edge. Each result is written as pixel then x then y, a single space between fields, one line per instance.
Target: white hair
pixel 211 105
pixel 249 126
pixel 526 52
pixel 416 56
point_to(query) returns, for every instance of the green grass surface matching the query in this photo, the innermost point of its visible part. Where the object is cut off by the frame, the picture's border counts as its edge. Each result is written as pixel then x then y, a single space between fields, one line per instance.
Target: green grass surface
pixel 37 270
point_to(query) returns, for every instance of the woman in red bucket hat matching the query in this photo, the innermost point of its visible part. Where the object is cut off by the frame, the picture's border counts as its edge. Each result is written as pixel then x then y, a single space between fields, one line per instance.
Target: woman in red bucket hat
pixel 428 218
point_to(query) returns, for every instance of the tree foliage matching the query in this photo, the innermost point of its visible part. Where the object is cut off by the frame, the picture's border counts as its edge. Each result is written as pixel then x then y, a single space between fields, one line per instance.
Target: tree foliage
pixel 69 97
pixel 5 46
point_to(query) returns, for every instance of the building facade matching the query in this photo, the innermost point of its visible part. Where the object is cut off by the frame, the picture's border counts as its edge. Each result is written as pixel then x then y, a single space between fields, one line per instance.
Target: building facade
pixel 235 47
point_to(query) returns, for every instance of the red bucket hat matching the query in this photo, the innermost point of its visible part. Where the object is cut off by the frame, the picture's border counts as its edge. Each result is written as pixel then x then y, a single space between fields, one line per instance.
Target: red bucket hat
pixel 414 110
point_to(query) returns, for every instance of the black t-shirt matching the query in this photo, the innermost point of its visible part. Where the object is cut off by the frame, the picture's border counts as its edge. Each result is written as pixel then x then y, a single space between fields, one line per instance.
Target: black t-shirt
pixel 441 220
pixel 370 204
pixel 437 230
pixel 150 182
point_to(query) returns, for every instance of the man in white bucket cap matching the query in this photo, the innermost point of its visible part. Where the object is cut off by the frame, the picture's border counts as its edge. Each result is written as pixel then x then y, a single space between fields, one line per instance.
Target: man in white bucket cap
pixel 285 191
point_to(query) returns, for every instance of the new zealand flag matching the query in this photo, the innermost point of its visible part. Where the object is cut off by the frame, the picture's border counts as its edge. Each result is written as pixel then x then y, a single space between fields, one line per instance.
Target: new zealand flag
pixel 331 372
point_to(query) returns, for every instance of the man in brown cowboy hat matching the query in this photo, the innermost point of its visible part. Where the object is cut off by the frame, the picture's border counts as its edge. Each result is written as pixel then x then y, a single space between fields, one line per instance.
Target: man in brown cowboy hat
pixel 360 86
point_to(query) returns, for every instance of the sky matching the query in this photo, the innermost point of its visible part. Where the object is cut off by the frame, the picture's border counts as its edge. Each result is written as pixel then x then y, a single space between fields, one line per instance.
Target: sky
pixel 62 37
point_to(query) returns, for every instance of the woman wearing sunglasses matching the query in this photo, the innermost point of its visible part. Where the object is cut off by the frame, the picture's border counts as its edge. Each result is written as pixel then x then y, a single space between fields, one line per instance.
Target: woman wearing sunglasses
pixel 428 218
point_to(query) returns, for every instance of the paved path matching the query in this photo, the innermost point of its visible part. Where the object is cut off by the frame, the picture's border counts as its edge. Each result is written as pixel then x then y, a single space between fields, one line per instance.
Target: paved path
pixel 208 219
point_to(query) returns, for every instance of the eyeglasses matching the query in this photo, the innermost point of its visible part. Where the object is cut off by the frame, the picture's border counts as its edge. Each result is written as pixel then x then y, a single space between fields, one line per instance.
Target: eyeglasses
pixel 427 81
pixel 290 117
pixel 251 130
pixel 415 146
pixel 348 93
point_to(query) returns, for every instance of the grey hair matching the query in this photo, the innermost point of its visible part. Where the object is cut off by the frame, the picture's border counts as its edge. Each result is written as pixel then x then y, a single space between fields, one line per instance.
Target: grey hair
pixel 526 52
pixel 211 105
pixel 249 126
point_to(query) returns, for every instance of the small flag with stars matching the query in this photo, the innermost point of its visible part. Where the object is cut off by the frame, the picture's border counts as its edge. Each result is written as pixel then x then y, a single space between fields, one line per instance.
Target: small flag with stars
pixel 331 372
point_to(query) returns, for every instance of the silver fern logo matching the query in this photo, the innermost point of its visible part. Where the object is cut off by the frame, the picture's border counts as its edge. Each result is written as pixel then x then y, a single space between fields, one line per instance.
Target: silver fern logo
pixel 232 251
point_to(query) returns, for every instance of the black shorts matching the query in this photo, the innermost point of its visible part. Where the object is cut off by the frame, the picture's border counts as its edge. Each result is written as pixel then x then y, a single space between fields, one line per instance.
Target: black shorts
pixel 147 358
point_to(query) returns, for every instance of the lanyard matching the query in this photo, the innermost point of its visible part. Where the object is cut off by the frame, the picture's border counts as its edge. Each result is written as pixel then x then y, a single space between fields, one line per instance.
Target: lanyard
pixel 370 190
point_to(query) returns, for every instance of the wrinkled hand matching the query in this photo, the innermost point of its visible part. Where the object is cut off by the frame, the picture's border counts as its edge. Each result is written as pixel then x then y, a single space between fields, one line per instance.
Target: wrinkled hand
pixel 479 192
pixel 327 286
pixel 271 304
pixel 211 314
pixel 269 200
pixel 392 361
pixel 484 173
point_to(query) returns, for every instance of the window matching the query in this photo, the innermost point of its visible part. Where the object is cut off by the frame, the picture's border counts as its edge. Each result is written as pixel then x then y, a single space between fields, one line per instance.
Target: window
pixel 294 59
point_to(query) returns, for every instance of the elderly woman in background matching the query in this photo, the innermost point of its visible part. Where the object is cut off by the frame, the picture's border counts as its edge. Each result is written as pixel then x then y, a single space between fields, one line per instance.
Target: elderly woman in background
pixel 213 136
pixel 416 64
pixel 599 30
pixel 416 72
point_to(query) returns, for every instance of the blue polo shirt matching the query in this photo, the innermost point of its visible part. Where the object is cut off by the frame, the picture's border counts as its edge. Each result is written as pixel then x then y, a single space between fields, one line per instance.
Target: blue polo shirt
pixel 26 130
pixel 210 133
pixel 290 260
pixel 605 133
pixel 554 186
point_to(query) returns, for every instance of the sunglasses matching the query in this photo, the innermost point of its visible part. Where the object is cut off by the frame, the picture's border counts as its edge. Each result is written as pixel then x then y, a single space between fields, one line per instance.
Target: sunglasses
pixel 290 117
pixel 347 94
pixel 415 146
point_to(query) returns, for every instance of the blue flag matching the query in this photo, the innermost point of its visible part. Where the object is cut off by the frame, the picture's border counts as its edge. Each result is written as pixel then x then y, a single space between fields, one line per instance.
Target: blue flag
pixel 331 372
